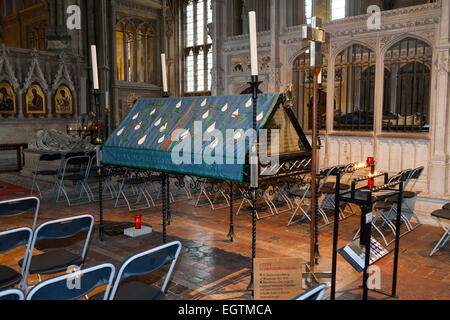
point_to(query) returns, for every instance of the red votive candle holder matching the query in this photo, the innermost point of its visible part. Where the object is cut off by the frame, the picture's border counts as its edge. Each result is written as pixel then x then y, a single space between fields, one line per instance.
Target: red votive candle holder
pixel 370 161
pixel 371 183
pixel 138 222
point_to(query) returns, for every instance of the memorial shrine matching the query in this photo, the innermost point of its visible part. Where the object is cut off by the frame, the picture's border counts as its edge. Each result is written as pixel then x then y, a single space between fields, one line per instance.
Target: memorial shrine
pixel 224 150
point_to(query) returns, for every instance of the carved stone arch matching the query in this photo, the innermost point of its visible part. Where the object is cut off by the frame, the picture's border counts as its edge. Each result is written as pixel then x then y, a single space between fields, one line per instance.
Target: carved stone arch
pixel 124 22
pixel 337 49
pixel 6 71
pixel 62 76
pixel 296 54
pixel 35 74
pixel 385 46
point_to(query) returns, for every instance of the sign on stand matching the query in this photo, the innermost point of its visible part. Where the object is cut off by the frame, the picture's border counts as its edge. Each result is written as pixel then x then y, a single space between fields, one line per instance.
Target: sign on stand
pixel 278 278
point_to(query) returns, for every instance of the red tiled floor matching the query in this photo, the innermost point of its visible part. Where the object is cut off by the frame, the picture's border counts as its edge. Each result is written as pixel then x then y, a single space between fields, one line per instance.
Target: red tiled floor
pixel 211 268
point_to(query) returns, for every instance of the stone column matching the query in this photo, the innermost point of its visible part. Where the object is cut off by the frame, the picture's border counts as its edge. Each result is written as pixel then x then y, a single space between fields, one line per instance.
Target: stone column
pixel 440 145
pixel 244 16
pixel 217 34
pixel 277 7
pixel 58 38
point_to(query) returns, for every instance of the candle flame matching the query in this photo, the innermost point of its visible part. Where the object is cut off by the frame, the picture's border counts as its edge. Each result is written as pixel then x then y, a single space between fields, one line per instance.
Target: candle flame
pixel 360 165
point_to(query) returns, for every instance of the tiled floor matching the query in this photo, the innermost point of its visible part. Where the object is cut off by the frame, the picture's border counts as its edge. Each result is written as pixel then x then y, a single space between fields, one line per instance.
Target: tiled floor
pixel 210 267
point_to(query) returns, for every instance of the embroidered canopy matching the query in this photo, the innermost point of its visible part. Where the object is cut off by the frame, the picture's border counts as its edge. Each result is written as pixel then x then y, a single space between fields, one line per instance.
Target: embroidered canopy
pixel 154 132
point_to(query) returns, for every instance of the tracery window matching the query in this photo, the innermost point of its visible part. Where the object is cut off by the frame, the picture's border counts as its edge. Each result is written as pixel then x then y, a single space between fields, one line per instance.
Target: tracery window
pixel 198 47
pixel 135 52
pixel 406 104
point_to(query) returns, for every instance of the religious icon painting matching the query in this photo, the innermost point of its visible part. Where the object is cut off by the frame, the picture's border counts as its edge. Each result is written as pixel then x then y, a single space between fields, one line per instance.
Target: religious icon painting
pixel 7 99
pixel 35 100
pixel 63 101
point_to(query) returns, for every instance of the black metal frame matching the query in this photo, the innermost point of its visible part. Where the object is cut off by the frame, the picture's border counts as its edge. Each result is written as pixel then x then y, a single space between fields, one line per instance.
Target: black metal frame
pixel 356 196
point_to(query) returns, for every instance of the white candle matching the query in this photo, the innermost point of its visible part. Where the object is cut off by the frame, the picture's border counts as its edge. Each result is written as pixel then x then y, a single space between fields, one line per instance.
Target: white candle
pixel 164 72
pixel 94 67
pixel 320 77
pixel 107 99
pixel 253 42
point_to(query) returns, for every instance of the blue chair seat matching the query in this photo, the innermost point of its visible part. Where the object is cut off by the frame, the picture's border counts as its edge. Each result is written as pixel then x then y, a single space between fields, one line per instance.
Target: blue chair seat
pixel 329 187
pixel 8 277
pixel 46 172
pixel 442 214
pixel 74 177
pixel 53 262
pixel 11 295
pixel 301 193
pixel 134 290
pixel 382 205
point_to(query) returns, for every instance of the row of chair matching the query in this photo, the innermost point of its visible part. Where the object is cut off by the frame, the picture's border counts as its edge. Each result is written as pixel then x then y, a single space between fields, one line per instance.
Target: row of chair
pixel 386 211
pixel 58 261
pixel 73 167
pixel 80 283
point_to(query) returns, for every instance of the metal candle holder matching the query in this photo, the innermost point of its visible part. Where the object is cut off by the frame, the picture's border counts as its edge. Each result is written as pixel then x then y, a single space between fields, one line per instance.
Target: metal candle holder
pixel 165 185
pixel 254 172
pixel 99 143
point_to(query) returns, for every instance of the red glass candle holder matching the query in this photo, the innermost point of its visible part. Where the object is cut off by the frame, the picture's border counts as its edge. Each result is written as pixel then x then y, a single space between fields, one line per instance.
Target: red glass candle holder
pixel 371 183
pixel 138 222
pixel 370 161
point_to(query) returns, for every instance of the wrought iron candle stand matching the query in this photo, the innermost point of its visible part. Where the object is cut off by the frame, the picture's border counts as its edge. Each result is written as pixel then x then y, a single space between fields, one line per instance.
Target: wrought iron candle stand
pixel 165 195
pixel 254 177
pixel 98 146
pixel 365 197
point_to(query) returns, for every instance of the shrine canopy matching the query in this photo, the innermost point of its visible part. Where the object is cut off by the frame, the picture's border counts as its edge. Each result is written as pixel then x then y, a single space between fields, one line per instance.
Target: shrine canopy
pixel 155 129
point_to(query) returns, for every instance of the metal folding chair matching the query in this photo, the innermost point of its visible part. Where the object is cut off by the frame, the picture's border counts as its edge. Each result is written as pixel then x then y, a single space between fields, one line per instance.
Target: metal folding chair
pixel 75 170
pixel 440 215
pixel 19 206
pixel 57 261
pixel 383 211
pixel 263 196
pixel 304 192
pixel 315 293
pixel 10 240
pixel 12 295
pixel 46 171
pixel 73 286
pixel 93 177
pixel 212 193
pixel 141 264
pixel 135 181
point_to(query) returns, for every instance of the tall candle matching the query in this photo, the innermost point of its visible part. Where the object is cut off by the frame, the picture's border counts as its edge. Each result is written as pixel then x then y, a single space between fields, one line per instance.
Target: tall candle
pixel 164 72
pixel 94 67
pixel 253 42
pixel 320 78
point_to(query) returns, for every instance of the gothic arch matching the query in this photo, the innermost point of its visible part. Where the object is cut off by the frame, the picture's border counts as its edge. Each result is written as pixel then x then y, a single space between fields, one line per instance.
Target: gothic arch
pixel 339 49
pixel 402 37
